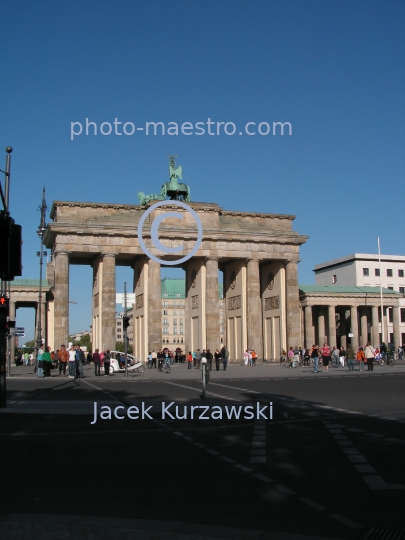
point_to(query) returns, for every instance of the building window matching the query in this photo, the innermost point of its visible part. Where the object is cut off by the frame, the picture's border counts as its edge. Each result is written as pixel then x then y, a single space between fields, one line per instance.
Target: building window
pixel 402 290
pixel 174 330
pixel 181 331
pixel 403 338
pixel 174 304
pixel 400 273
pixel 165 322
pixel 174 312
pixel 181 304
pixel 365 272
pixel 181 312
pixel 390 288
pixel 119 323
pixel 165 312
pixel 389 272
pixel 377 272
pixel 118 336
pixel 164 295
pixel 221 305
pixel 174 322
pixel 165 330
pixel 165 304
pixel 181 322
pixel 403 318
pixel 334 278
pixel 178 295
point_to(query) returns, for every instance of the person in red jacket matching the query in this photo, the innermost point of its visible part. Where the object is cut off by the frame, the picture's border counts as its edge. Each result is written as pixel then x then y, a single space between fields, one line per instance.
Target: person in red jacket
pixel 63 357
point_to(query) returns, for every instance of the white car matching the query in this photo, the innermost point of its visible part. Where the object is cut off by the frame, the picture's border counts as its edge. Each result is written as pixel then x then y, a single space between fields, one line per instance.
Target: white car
pixel 134 364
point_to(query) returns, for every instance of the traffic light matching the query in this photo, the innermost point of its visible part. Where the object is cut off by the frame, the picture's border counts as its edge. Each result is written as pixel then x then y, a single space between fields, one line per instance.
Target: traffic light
pixel 10 246
pixel 4 309
pixel 125 322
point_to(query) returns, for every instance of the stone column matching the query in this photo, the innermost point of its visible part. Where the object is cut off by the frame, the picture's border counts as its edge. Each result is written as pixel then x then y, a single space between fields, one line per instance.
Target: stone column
pixel 321 327
pixel 332 326
pixel 292 305
pixel 354 327
pixel 375 326
pixel 309 328
pixel 108 302
pixel 363 326
pixel 154 307
pixel 61 299
pixel 212 304
pixel 395 320
pixel 384 320
pixel 254 308
pixel 343 328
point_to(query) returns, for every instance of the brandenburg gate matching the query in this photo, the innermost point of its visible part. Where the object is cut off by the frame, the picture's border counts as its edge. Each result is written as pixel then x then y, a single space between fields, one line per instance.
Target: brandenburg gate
pixel 258 254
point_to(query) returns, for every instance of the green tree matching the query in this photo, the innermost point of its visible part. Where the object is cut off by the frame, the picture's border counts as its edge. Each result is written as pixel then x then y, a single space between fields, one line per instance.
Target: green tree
pixel 85 342
pixel 119 346
pixel 30 344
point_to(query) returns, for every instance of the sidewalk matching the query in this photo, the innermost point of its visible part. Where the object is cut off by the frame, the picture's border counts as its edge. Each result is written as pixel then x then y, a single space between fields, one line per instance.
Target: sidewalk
pixel 53 527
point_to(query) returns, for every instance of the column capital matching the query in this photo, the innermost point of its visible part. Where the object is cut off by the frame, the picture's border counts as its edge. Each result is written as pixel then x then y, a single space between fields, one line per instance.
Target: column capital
pixel 60 252
pixel 108 254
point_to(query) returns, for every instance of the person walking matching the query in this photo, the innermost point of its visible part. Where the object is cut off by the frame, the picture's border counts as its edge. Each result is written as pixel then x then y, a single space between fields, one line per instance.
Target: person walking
pixel 168 362
pixel 360 358
pixel 350 357
pixel 224 356
pixel 40 373
pixel 63 357
pixel 107 361
pixel 47 360
pixel 335 356
pixel 189 360
pixel 217 356
pixel 72 363
pixel 154 356
pixel 369 354
pixel 254 357
pixel 150 360
pixel 342 356
pixel 315 357
pixel 97 362
pixel 325 351
pixel 209 359
pixel 197 359
pixel 79 362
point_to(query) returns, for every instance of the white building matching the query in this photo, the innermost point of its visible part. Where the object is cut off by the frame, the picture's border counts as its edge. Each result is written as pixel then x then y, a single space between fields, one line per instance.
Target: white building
pixel 365 270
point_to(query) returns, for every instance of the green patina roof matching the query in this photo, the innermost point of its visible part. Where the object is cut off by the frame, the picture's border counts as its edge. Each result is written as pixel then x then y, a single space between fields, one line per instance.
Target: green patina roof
pixel 172 287
pixel 344 289
pixel 29 282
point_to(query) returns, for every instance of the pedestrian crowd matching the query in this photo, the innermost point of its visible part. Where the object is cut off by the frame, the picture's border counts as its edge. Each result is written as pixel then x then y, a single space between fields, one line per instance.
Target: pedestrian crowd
pixel 324 356
pixel 164 359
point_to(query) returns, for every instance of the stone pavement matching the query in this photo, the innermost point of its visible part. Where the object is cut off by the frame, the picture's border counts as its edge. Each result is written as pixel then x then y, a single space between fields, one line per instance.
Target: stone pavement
pixel 53 527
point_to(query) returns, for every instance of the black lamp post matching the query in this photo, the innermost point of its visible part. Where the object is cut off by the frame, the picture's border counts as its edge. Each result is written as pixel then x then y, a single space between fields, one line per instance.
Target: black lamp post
pixel 40 254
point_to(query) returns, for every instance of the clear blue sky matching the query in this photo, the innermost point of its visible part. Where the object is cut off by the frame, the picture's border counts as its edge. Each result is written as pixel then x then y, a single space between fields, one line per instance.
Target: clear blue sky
pixel 334 70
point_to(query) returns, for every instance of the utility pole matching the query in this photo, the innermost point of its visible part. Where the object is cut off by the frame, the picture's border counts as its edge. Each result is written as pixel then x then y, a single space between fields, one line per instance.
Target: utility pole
pixel 10 266
pixel 40 254
pixel 125 326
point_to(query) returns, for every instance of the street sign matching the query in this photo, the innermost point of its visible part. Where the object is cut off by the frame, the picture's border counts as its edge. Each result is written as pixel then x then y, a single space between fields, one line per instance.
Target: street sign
pixel 18 331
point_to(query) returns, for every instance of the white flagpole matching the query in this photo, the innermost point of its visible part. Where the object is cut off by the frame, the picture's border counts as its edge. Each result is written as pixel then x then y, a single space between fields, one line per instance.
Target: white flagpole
pixel 381 295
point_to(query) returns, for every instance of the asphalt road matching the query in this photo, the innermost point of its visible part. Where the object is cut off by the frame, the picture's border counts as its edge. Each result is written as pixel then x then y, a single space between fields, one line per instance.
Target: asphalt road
pixel 327 462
